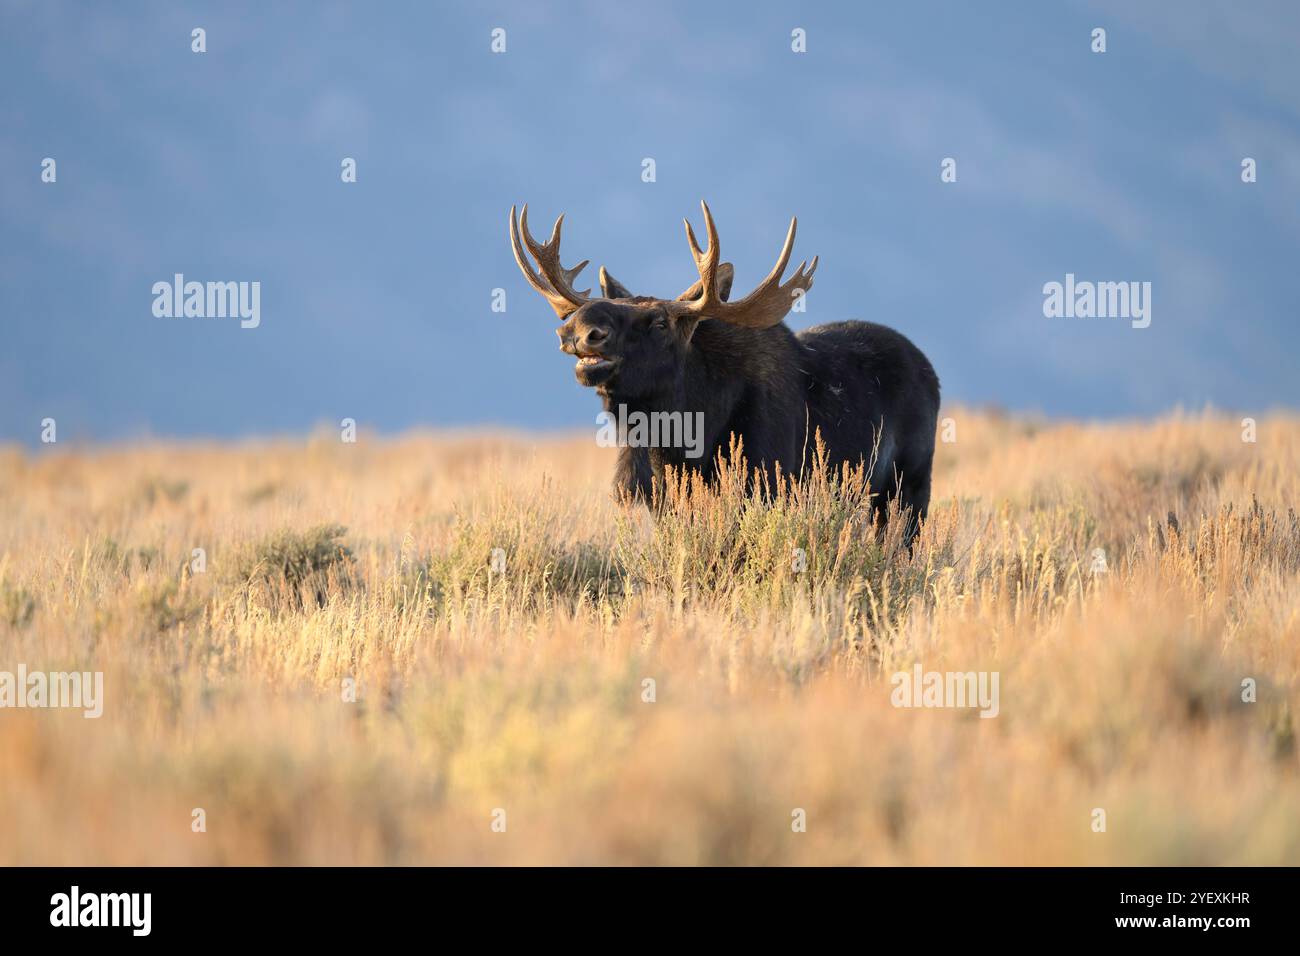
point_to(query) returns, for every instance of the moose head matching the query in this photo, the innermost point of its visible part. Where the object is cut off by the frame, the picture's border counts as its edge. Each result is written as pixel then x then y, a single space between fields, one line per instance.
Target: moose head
pixel 636 344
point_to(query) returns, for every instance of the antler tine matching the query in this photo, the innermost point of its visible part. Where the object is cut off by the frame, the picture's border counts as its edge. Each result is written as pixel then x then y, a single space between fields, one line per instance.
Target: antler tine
pixel 706 261
pixel 802 277
pixel 571 274
pixel 779 268
pixel 547 255
pixel 555 282
pixel 767 305
pixel 522 260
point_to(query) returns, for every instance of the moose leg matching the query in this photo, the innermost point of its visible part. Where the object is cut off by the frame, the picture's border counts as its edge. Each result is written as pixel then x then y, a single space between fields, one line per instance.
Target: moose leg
pixel 914 496
pixel 634 477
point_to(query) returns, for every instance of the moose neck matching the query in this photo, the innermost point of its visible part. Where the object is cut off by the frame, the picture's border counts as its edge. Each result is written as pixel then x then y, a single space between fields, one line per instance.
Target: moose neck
pixel 694 406
pixel 688 390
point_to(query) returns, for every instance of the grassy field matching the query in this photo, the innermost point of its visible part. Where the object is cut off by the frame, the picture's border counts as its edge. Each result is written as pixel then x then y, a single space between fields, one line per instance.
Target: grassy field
pixel 519 696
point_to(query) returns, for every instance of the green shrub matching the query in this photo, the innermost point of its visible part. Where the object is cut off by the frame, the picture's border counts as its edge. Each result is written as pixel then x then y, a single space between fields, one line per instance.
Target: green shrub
pixel 292 567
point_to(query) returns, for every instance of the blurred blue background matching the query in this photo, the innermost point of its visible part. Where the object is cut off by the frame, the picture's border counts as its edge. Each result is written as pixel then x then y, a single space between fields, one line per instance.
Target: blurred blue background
pixel 376 296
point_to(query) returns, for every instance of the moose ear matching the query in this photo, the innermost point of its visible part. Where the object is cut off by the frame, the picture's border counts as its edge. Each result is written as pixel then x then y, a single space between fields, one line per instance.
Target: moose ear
pixel 611 287
pixel 726 272
pixel 684 325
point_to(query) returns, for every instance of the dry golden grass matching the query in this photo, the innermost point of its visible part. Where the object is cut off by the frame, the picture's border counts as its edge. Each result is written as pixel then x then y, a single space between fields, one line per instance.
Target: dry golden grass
pixel 522 690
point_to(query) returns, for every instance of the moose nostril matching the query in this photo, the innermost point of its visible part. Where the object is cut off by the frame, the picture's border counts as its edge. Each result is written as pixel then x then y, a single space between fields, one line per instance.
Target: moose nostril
pixel 597 335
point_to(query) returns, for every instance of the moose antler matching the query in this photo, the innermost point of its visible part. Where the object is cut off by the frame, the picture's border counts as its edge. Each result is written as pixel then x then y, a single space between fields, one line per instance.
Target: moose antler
pixel 764 307
pixel 555 282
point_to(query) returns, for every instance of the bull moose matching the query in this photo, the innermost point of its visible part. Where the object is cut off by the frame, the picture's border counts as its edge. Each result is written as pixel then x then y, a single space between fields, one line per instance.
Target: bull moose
pixel 866 389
